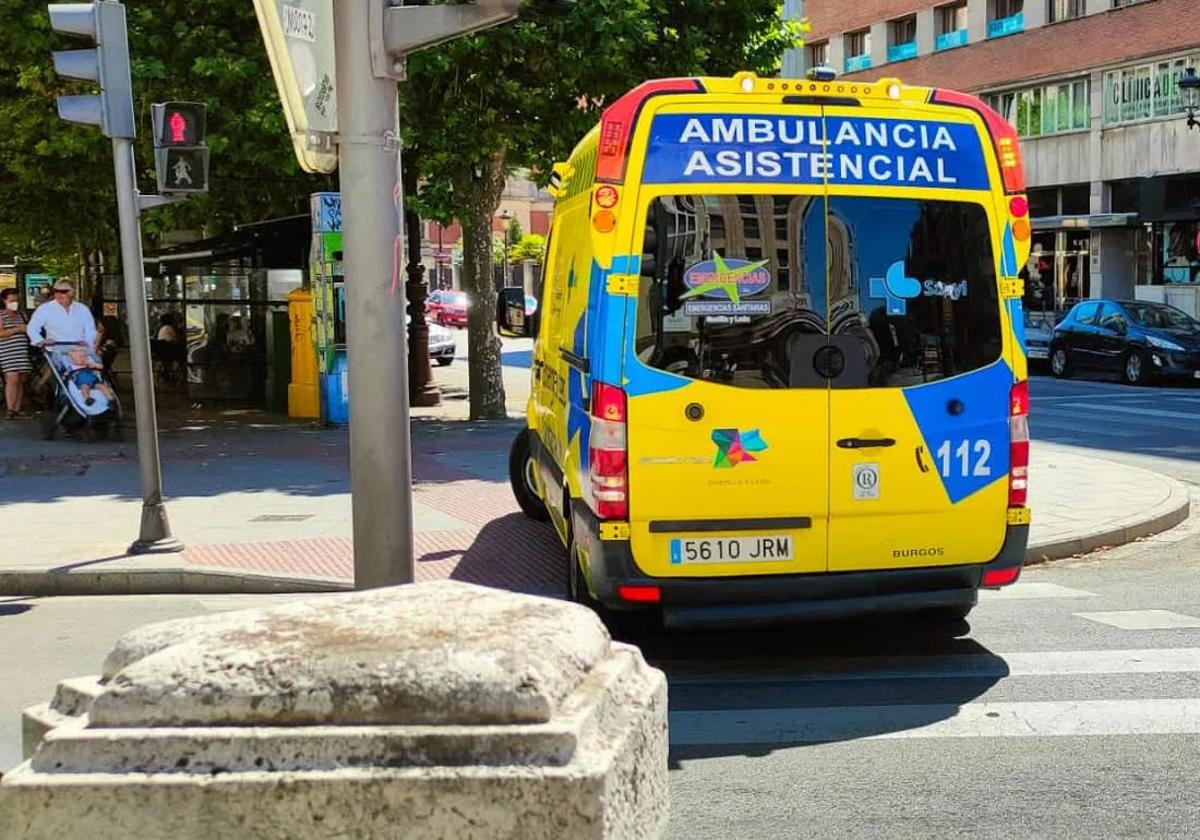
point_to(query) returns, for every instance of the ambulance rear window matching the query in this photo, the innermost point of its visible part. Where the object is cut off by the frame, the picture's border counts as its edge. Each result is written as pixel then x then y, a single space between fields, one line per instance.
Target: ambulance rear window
pixel 746 290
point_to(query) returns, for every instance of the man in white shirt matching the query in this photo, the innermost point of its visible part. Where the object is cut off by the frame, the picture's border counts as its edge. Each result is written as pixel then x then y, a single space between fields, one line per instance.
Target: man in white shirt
pixel 62 320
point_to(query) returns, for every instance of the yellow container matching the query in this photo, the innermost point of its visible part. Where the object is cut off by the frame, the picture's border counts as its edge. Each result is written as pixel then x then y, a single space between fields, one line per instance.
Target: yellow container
pixel 304 398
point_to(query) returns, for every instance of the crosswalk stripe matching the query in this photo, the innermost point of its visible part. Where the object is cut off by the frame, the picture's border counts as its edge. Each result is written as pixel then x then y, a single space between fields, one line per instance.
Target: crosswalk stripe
pixel 964 666
pixel 1028 590
pixel 1141 412
pixel 1039 420
pixel 972 720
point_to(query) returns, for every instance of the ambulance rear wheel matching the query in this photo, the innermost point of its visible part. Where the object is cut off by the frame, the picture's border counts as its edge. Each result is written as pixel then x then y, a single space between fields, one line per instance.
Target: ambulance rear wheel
pixel 522 474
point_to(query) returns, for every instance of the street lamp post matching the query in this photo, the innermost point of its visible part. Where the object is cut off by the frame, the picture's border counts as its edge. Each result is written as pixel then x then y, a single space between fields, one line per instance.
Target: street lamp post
pixel 1189 92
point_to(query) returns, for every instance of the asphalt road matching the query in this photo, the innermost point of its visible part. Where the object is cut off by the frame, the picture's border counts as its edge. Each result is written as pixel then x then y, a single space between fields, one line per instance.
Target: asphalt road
pixel 1068 705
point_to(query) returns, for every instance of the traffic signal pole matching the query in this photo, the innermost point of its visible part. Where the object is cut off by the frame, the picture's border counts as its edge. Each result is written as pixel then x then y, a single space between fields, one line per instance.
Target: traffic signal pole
pixel 154 534
pixel 369 167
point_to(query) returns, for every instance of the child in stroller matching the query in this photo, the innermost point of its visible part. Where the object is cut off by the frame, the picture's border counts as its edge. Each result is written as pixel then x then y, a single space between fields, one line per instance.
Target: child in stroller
pixel 82 396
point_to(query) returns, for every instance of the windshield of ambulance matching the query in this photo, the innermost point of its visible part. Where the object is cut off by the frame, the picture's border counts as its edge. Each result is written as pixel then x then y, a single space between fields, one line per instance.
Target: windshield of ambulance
pixel 745 289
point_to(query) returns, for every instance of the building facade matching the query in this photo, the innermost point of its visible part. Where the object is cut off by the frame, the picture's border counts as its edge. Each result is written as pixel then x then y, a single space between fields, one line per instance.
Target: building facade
pixel 1092 88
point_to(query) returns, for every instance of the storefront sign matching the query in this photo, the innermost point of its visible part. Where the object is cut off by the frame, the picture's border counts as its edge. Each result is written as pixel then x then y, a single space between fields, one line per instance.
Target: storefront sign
pixel 1144 91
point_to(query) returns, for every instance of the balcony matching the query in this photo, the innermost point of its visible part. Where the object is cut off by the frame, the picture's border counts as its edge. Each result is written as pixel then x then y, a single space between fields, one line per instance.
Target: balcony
pixel 950 40
pixel 1006 26
pixel 855 63
pixel 902 52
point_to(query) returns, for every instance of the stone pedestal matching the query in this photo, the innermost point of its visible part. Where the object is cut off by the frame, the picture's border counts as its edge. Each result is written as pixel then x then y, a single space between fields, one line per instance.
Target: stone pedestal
pixel 438 710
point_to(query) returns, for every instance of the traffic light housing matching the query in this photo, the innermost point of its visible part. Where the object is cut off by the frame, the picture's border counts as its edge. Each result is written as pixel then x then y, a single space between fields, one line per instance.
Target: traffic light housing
pixel 179 123
pixel 180 156
pixel 102 22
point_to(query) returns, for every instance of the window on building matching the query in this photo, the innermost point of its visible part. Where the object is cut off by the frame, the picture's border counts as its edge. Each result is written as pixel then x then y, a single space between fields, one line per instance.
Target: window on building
pixel 951 18
pixel 1076 199
pixel 1005 17
pixel 1050 109
pixel 1006 8
pixel 1066 10
pixel 858 50
pixel 818 54
pixel 902 38
pixel 1121 4
pixel 858 43
pixel 902 31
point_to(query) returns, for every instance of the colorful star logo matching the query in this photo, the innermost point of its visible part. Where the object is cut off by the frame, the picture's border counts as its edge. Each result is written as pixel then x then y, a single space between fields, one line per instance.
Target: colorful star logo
pixel 734 447
pixel 726 280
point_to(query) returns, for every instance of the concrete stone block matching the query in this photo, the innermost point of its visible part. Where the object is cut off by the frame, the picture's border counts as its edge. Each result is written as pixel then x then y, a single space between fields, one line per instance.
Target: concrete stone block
pixel 439 710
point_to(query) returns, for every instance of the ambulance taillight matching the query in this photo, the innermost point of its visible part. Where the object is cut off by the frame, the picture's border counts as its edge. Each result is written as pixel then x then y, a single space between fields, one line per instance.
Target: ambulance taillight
pixel 607 453
pixel 1018 447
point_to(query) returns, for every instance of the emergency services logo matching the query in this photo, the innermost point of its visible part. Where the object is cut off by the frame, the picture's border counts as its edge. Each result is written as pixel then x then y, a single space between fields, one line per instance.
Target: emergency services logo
pixel 897 289
pixel 726 279
pixel 735 447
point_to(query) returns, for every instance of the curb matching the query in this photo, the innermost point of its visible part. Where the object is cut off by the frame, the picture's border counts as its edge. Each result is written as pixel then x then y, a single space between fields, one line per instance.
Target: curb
pixel 172 581
pixel 1174 511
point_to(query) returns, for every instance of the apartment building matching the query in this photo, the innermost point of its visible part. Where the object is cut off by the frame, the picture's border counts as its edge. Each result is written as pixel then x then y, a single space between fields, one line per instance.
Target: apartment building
pixel 1092 88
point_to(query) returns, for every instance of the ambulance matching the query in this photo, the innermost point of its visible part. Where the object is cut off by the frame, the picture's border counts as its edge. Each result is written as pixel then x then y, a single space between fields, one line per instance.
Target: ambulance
pixel 779 370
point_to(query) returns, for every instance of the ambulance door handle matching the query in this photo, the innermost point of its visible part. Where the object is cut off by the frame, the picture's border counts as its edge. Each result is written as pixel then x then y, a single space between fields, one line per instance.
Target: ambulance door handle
pixel 865 443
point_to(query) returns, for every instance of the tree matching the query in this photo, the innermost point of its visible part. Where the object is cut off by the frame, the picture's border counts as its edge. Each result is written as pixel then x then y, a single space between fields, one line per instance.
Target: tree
pixel 513 233
pixel 479 107
pixel 56 180
pixel 531 247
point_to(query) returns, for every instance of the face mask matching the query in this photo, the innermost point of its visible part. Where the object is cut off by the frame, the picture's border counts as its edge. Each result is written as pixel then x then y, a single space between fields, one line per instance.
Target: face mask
pixel 12 305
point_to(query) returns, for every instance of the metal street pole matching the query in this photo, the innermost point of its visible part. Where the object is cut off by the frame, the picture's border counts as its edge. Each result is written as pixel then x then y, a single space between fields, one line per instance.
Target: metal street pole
pixel 155 532
pixel 369 166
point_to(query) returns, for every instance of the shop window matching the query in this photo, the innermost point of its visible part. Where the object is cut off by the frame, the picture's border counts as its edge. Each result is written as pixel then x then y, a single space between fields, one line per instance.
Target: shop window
pixel 1181 261
pixel 1123 197
pixel 1076 200
pixel 1061 10
pixel 902 38
pixel 1043 203
pixel 1052 109
pixel 858 50
pixel 1147 91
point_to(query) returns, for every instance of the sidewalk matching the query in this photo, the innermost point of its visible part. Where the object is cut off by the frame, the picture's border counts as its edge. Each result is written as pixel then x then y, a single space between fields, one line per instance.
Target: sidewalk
pixel 265 506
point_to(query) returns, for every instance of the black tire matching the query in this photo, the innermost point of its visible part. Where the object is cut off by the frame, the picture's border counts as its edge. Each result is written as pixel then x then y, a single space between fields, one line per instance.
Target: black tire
pixel 1060 362
pixel 444 361
pixel 1135 368
pixel 577 590
pixel 948 614
pixel 521 477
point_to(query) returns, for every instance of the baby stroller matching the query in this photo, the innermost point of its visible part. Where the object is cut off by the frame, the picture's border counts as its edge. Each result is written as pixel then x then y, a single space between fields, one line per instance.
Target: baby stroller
pixel 82 398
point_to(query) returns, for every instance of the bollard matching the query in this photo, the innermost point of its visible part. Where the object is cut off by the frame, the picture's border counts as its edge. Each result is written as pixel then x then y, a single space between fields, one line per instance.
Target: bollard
pixel 438 710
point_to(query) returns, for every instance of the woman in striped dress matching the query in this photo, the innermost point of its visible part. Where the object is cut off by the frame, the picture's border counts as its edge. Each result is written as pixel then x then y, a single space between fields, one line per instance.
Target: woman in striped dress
pixel 14 352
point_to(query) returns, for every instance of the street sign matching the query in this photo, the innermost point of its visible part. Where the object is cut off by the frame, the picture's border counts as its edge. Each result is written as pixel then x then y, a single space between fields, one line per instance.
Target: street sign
pixel 299 39
pixel 182 170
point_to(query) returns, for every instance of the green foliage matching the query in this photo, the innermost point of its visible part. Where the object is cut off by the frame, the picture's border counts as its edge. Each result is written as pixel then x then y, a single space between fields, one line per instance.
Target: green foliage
pixel 517 90
pixel 532 246
pixel 513 233
pixel 56 179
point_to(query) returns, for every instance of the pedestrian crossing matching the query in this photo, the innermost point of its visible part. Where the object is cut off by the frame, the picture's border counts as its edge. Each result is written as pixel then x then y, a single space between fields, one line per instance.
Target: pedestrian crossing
pixel 1124 690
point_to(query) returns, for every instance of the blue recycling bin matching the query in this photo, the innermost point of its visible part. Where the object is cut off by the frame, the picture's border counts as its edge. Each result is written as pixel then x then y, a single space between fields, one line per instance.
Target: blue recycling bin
pixel 335 390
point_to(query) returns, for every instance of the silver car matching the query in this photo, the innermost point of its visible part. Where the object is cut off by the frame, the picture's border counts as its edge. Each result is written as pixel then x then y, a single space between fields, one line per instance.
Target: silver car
pixel 1039 326
pixel 442 346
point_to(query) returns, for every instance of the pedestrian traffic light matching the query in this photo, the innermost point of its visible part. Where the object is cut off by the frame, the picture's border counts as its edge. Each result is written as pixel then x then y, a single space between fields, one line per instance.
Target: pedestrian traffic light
pixel 107 65
pixel 179 123
pixel 180 156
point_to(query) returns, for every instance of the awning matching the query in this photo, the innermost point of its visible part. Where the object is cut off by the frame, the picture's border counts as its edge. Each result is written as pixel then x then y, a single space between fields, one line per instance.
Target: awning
pixel 1094 220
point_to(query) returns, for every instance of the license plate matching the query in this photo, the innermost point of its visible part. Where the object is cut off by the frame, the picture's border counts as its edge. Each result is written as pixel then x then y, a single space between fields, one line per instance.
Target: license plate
pixel 1039 353
pixel 1196 375
pixel 731 550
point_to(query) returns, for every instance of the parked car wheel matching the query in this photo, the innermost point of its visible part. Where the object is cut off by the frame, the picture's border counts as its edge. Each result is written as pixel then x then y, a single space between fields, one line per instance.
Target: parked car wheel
pixel 1136 370
pixel 1060 362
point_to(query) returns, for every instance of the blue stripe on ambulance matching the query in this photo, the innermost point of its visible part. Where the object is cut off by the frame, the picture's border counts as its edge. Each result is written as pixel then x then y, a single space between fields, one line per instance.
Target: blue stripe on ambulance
pixel 1016 314
pixel 982 426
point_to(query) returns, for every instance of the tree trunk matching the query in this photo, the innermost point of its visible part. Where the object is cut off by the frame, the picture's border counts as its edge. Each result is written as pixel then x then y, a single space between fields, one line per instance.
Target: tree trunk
pixel 478 198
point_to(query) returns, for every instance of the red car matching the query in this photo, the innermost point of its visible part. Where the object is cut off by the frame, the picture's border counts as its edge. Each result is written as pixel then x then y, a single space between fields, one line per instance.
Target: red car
pixel 450 308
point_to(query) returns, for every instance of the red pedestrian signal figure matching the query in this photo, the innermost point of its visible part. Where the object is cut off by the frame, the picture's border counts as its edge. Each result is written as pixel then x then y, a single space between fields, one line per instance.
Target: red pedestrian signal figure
pixel 178 126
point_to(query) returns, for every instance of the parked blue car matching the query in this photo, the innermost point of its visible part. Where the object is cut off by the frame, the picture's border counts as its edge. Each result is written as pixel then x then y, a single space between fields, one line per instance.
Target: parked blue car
pixel 1139 340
